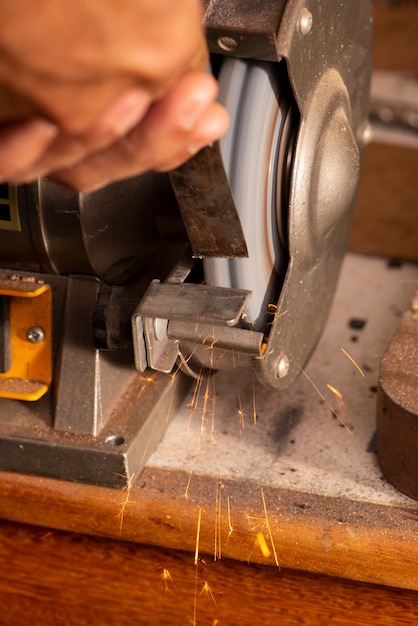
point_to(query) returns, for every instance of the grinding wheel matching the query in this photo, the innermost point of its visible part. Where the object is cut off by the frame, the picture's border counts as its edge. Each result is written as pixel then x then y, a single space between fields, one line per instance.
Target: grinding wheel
pixel 257 154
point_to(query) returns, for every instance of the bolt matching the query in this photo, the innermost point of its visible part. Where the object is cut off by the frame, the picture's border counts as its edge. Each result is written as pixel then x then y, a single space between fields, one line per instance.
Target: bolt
pixel 283 366
pixel 229 44
pixel 305 22
pixel 35 334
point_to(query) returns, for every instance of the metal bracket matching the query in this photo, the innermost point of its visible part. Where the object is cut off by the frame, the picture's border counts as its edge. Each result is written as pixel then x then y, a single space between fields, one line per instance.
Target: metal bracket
pixel 26 338
pixel 200 316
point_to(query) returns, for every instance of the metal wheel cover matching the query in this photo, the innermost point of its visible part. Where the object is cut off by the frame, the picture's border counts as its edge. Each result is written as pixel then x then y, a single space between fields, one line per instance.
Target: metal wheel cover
pixel 255 154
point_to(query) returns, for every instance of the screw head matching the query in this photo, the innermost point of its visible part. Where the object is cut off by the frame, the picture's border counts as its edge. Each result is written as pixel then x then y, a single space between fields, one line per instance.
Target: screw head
pixel 305 22
pixel 228 44
pixel 283 366
pixel 35 334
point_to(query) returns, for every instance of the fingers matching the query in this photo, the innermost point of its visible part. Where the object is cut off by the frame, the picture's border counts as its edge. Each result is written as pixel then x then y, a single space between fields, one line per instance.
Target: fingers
pixel 70 65
pixel 22 144
pixel 67 150
pixel 176 127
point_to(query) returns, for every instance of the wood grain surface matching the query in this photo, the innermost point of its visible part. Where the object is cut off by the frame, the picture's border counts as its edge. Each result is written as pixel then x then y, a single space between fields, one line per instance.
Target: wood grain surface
pixel 51 578
pixel 329 535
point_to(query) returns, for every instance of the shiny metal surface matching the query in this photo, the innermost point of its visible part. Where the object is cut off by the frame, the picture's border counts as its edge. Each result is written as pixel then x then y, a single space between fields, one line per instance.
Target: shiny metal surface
pixel 330 70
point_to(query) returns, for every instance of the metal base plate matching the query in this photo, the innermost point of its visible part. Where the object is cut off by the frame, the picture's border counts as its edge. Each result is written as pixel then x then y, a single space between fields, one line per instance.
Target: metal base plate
pixel 113 458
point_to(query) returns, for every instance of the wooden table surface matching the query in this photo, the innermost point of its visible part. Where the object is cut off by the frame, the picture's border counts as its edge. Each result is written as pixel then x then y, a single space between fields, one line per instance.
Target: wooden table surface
pixel 77 554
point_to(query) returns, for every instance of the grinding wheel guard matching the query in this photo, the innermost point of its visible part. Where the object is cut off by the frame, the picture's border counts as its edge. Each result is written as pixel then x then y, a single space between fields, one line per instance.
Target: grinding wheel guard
pixel 326 47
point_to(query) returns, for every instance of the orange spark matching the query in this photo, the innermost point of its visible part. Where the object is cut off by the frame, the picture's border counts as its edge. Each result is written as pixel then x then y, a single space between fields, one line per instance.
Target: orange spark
pixel 166 578
pixel 186 493
pixel 356 365
pixel 196 554
pixel 149 378
pixel 269 529
pixel 231 528
pixel 196 562
pixel 240 409
pixel 208 591
pixel 218 502
pixel 196 393
pixel 263 545
pixel 321 395
pixel 335 391
pixel 126 501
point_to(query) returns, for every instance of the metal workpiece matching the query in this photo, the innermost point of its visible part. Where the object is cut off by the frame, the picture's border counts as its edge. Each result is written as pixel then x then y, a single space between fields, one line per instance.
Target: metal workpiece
pixel 397 407
pixel 207 206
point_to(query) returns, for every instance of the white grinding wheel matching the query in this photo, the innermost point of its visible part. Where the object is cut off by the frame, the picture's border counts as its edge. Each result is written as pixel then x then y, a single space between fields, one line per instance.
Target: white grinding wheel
pixel 256 157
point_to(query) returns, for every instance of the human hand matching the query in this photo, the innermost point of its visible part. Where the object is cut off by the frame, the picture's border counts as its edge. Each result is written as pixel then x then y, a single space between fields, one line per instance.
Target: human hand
pixel 123 72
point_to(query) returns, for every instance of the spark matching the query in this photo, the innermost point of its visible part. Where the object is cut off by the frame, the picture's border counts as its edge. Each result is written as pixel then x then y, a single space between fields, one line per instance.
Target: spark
pixel 186 493
pixel 196 554
pixel 321 395
pixel 231 528
pixel 254 405
pixel 335 391
pixel 240 409
pixel 196 562
pixel 241 414
pixel 218 505
pixel 263 545
pixel 166 578
pixel 209 398
pixel 206 397
pixel 356 365
pixel 269 529
pixel 149 378
pixel 196 393
pixel 126 501
pixel 208 591
pixel 46 536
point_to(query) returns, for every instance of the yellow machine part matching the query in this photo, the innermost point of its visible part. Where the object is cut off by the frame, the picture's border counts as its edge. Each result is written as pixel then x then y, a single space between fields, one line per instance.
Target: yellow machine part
pixel 30 337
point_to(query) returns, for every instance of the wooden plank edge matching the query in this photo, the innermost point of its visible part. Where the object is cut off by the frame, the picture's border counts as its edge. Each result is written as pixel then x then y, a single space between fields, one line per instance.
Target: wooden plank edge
pixel 359 541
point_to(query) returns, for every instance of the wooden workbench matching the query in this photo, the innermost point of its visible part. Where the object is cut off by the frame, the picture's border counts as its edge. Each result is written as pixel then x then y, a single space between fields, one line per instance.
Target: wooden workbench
pixel 207 550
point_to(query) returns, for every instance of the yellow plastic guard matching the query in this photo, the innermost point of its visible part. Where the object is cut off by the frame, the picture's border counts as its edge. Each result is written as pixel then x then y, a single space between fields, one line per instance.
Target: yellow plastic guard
pixel 27 337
